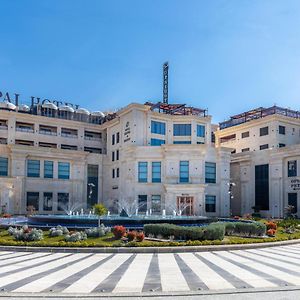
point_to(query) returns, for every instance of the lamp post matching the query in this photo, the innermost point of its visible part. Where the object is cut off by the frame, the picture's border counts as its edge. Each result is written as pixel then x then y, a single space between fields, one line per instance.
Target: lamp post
pixel 230 186
pixel 91 186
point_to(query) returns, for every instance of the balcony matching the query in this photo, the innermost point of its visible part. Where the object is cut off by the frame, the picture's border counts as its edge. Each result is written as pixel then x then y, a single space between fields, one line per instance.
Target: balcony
pixel 48 130
pixel 69 133
pixel 25 127
pixel 92 136
pixel 3 141
pixel 24 143
pixel 3 125
pixel 68 147
pixel 47 145
pixel 93 150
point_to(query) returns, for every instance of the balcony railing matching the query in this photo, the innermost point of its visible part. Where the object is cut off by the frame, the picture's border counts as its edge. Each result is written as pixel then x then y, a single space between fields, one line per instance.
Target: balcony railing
pixel 30 130
pixel 3 127
pixel 89 138
pixel 68 135
pixel 45 132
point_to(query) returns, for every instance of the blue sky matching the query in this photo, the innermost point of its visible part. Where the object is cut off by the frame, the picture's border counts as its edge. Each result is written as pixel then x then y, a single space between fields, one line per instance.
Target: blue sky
pixel 227 56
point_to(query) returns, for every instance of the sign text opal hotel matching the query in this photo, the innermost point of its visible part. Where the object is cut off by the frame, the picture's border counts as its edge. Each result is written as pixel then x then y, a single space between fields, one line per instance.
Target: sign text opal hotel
pixel 15 99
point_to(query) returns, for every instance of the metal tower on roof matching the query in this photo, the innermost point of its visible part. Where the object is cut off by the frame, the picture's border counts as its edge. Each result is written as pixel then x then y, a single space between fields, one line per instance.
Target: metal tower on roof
pixel 165 82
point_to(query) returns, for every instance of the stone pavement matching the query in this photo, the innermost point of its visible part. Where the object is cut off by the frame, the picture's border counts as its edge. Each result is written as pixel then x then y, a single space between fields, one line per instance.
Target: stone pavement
pixel 116 274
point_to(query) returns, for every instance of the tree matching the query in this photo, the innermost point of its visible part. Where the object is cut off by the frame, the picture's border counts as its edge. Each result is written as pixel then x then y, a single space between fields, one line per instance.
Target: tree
pixel 100 210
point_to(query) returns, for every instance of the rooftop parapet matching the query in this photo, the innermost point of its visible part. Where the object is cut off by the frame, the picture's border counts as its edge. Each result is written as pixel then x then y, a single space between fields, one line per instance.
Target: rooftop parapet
pixel 258 113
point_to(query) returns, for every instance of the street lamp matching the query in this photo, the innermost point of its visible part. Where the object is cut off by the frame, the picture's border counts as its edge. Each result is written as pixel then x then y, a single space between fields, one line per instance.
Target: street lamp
pixel 230 186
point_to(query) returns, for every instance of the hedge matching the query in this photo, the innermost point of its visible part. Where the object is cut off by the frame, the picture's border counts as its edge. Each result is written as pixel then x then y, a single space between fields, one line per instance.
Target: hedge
pixel 214 231
pixel 245 229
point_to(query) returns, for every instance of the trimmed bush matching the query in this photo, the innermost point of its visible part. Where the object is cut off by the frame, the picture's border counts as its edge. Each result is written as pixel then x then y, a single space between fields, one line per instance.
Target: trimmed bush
pixel 58 231
pixel 214 231
pixel 131 235
pixel 271 225
pixel 140 236
pixel 119 231
pixel 245 229
pixel 26 234
pixel 76 236
pixel 98 231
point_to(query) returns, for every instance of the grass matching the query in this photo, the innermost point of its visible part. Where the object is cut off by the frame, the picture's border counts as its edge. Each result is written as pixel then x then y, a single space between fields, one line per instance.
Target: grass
pixel 110 241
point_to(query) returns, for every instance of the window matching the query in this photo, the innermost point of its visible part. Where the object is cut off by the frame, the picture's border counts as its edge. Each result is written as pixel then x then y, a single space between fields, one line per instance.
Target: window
pixel 143 171
pixel 92 184
pixel 117 155
pixel 210 203
pixel 48 169
pixel 3 166
pixel 182 142
pixel 63 201
pixel 113 155
pixel 262 186
pixel 113 139
pixel 292 168
pixel 48 201
pixel 118 172
pixel 182 129
pixel 113 173
pixel 245 149
pixel 156 204
pixel 263 147
pixel 158 127
pixel 156 171
pixel 142 203
pixel 245 134
pixel 280 145
pixel 33 200
pixel 281 129
pixel 213 137
pixel 292 200
pixel 118 137
pixel 157 142
pixel 264 131
pixel 63 170
pixel 210 172
pixel 183 171
pixel 33 168
pixel 200 130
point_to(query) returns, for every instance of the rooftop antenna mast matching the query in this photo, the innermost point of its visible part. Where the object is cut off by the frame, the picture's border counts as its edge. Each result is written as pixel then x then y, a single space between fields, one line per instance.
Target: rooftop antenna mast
pixel 166 82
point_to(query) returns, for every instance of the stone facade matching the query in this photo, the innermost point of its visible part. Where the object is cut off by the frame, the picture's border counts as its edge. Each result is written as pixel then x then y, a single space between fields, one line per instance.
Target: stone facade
pixel 114 151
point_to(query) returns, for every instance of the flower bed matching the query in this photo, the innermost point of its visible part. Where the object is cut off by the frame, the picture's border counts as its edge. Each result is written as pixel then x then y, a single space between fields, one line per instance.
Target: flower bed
pixel 286 230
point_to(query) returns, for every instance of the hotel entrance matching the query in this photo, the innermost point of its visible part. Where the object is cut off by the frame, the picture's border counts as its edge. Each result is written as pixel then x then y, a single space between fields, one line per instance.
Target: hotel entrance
pixel 186 205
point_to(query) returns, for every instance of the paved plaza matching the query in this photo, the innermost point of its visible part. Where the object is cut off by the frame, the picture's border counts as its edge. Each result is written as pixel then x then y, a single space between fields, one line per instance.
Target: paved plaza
pixel 69 273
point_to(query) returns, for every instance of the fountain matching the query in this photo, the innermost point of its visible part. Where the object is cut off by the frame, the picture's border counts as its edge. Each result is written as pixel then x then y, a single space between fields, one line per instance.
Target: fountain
pixel 129 216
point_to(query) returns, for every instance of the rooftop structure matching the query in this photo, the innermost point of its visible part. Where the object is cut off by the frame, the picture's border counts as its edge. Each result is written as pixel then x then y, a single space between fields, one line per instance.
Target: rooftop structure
pixel 258 113
pixel 176 109
pixel 49 109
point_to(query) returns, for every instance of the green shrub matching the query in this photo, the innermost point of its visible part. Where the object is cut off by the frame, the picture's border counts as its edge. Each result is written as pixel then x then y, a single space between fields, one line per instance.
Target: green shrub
pixel 26 234
pixel 76 237
pixel 58 231
pixel 214 231
pixel 97 231
pixel 245 228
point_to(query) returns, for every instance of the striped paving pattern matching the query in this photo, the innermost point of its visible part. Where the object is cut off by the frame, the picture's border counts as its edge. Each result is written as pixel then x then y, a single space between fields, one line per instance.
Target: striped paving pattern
pixel 135 273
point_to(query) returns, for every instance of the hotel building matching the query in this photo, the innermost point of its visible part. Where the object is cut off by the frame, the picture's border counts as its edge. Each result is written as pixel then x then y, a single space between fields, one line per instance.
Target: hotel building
pixel 265 147
pixel 152 156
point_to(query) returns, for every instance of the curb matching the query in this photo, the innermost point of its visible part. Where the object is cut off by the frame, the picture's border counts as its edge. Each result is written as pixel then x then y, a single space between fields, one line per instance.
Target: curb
pixel 174 249
pixel 150 295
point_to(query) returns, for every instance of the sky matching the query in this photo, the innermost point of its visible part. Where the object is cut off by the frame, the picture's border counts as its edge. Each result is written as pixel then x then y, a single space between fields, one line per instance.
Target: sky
pixel 225 55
